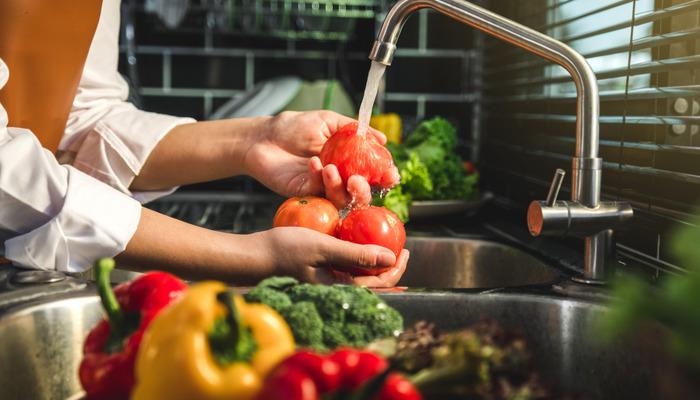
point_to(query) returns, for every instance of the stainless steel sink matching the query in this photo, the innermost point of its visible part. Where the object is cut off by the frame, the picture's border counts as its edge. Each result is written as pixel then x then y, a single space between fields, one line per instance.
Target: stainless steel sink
pixel 471 263
pixel 40 345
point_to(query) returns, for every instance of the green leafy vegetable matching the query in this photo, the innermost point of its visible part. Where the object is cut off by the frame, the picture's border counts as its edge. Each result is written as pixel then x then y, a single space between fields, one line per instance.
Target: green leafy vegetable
pixel 429 167
pixel 415 178
pixel 397 201
pixel 437 129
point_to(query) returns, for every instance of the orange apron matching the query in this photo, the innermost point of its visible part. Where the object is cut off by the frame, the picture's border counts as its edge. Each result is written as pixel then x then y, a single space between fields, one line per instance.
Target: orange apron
pixel 44 44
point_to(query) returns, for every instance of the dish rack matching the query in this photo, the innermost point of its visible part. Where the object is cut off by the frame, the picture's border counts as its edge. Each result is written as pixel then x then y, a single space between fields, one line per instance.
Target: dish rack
pixel 331 20
pixel 300 19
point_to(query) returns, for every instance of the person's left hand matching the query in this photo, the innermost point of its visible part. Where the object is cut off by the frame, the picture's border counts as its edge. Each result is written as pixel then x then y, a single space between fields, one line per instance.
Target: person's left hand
pixel 285 158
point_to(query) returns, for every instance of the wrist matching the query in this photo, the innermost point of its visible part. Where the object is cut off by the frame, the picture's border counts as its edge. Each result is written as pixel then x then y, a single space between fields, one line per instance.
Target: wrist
pixel 257 131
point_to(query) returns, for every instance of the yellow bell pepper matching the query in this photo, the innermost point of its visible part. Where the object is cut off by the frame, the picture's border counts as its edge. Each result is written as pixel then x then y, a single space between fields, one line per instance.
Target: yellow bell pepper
pixel 389 124
pixel 210 345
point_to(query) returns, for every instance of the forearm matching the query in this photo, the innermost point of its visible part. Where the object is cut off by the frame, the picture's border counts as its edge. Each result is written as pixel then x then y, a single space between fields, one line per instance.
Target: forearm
pixel 167 244
pixel 199 152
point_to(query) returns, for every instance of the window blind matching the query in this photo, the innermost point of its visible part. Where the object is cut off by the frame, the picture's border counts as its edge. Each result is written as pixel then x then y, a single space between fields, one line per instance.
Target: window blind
pixel 646 56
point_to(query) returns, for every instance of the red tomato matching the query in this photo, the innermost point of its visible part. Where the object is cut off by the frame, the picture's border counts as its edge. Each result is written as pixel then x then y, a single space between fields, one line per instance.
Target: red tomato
pixel 310 212
pixel 373 225
pixel 362 155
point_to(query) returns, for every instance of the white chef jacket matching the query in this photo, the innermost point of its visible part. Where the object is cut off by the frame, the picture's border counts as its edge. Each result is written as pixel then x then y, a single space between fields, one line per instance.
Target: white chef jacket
pixel 63 216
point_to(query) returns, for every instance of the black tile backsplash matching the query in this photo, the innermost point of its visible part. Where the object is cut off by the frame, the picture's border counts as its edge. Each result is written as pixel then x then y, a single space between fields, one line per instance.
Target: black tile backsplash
pixel 446 33
pixel 431 75
pixel 181 106
pixel 307 69
pixel 208 72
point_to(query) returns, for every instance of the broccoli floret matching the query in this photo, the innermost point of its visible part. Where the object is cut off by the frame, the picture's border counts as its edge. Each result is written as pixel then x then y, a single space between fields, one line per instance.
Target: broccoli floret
pixel 323 317
pixel 306 324
pixel 330 302
pixel 333 335
pixel 278 282
pixel 357 334
pixel 270 297
pixel 386 322
pixel 362 303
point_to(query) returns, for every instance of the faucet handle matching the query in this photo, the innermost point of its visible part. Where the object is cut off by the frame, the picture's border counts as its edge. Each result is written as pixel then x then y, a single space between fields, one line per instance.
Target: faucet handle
pixel 554 188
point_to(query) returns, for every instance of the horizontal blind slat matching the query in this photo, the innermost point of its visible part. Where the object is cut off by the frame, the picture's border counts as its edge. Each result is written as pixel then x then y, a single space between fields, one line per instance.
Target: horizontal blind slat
pixel 609 119
pixel 668 92
pixel 647 171
pixel 690 62
pixel 640 19
pixel 639 44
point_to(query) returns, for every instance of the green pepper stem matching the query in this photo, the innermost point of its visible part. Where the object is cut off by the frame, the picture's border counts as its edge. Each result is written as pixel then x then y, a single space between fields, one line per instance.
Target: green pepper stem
pixel 115 315
pixel 233 318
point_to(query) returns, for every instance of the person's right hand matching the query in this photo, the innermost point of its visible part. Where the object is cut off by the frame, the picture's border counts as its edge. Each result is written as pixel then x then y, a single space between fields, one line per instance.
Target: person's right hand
pixel 309 256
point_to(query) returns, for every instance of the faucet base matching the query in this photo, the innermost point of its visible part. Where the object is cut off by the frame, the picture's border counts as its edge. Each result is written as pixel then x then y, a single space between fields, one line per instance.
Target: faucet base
pixel 587 281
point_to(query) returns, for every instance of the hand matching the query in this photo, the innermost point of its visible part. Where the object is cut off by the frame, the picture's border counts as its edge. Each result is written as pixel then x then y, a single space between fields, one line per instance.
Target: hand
pixel 285 158
pixel 309 256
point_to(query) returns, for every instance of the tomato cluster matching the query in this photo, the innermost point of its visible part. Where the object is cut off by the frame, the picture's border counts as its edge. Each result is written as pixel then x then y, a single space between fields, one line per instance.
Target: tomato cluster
pixel 353 155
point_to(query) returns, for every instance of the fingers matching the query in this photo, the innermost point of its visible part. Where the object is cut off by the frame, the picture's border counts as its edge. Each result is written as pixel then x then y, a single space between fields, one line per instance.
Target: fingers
pixel 335 121
pixel 333 186
pixel 389 278
pixel 381 138
pixel 329 276
pixel 391 178
pixel 342 254
pixel 315 183
pixel 359 191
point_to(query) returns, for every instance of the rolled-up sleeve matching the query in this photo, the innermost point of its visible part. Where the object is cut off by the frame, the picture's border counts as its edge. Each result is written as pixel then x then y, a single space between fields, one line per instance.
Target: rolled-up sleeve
pixel 54 216
pixel 106 136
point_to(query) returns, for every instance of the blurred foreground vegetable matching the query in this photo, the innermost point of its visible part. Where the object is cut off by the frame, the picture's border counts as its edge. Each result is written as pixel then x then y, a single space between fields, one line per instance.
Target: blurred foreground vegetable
pixel 674 303
pixel 107 368
pixel 347 374
pixel 482 361
pixel 210 345
pixel 324 317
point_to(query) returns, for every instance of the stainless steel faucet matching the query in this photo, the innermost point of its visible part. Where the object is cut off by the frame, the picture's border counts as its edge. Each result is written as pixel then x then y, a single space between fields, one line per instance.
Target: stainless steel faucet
pixel 584 215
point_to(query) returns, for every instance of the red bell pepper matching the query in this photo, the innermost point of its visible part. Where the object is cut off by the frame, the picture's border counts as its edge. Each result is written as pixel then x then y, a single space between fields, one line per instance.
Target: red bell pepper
pixel 346 374
pixel 109 352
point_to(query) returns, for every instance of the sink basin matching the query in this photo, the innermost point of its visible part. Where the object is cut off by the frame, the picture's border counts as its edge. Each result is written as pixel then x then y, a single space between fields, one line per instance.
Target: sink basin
pixel 470 263
pixel 41 342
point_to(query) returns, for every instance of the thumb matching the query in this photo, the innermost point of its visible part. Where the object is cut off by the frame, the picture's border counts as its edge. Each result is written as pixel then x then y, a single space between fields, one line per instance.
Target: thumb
pixel 340 253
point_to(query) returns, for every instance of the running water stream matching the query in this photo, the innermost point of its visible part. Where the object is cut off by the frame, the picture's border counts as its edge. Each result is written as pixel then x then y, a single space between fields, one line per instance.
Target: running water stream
pixel 376 71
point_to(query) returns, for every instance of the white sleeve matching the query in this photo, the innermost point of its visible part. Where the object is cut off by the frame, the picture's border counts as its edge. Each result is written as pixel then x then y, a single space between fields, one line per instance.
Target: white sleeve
pixel 106 136
pixel 54 216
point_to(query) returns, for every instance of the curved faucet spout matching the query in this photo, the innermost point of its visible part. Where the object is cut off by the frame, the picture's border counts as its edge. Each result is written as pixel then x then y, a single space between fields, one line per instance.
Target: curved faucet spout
pixel 586 165
pixel 512 32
